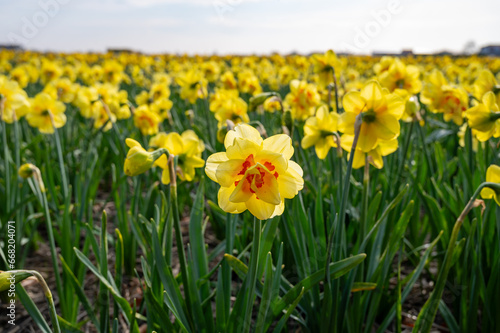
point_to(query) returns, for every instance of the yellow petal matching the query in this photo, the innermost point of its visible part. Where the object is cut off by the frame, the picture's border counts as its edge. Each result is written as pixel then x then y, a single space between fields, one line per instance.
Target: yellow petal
pixel 225 204
pixel 493 174
pixel 281 144
pixel 242 148
pixel 260 209
pixel 213 163
pixel 353 102
pixel 386 126
pixel 227 171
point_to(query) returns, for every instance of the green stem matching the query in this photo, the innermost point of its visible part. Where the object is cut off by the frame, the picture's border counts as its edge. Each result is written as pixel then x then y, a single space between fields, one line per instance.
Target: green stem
pixel 52 244
pixel 252 274
pixel 50 300
pixel 365 196
pixel 326 314
pixel 405 153
pixel 430 308
pixel 426 152
pixel 178 234
pixel 61 163
pixel 6 165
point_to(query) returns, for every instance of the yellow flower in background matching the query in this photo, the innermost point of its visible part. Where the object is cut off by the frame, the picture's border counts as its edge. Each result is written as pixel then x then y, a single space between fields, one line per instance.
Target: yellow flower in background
pixel 484 83
pixel 20 75
pixel 84 99
pixel 249 83
pixel 319 131
pixel 484 118
pixel 375 156
pixel 138 159
pixel 234 109
pixel 255 174
pixel 443 98
pixel 381 113
pixel 49 71
pixel 324 64
pixel 272 104
pixel 492 176
pixel 146 121
pixel 43 107
pixel 302 99
pixel 228 81
pixel 187 146
pixel 401 76
pixel 62 89
pixel 15 102
pixel 193 85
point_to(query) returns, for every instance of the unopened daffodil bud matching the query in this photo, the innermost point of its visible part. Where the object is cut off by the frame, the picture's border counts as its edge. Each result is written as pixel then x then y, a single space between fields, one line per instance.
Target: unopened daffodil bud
pixel 11 278
pixel 26 170
pixel 138 159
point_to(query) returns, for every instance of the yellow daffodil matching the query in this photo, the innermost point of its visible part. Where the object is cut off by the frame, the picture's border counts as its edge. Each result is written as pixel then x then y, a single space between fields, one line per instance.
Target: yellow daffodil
pixel 443 98
pixel 375 156
pixel 228 81
pixel 484 118
pixel 234 109
pixel 138 159
pixel 324 64
pixel 43 108
pixel 187 146
pixel 401 76
pixel 14 100
pixel 272 104
pixel 193 85
pixel 319 131
pixel 492 176
pixel 484 83
pixel 381 113
pixel 248 83
pixel 302 99
pixel 255 174
pixel 146 121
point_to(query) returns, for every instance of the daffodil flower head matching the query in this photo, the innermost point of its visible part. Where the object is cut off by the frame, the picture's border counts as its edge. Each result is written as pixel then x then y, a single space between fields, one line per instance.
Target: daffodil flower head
pixel 26 170
pixel 186 146
pixel 484 118
pixel 492 176
pixel 255 174
pixel 380 111
pixel 138 159
pixel 320 130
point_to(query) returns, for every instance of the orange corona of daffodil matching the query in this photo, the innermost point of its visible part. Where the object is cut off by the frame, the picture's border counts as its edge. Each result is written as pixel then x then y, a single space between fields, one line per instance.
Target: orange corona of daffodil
pixel 381 113
pixel 255 174
pixel 484 118
pixel 319 131
pixel 492 176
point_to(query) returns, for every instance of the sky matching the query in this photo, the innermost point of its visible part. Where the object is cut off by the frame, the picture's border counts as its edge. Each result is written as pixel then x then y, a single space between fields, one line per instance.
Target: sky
pixel 249 26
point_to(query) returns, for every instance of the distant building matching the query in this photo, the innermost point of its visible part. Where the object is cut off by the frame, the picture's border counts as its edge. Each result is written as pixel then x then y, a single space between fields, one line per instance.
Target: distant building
pixel 490 50
pixel 118 51
pixel 407 53
pixel 13 47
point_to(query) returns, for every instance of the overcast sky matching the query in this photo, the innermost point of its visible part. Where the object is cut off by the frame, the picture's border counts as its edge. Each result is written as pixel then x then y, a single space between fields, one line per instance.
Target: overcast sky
pixel 249 26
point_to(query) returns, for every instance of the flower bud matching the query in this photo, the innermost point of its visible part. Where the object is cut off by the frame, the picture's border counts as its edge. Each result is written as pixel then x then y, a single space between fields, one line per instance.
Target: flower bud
pixel 26 170
pixel 138 159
